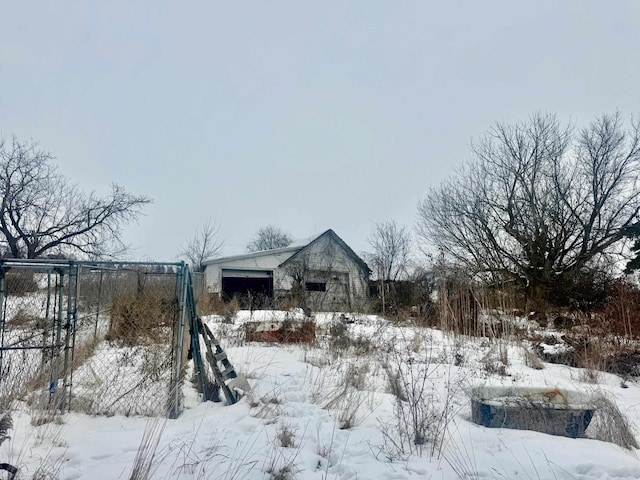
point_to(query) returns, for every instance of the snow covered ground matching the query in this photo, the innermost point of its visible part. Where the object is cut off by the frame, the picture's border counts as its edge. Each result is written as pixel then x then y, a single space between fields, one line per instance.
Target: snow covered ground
pixel 329 412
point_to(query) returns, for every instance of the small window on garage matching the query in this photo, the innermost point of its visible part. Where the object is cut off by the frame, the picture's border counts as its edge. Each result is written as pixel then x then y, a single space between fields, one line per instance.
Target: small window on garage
pixel 316 286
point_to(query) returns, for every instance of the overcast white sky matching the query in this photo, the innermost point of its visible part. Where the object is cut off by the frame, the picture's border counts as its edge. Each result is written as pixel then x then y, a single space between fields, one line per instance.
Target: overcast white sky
pixel 306 115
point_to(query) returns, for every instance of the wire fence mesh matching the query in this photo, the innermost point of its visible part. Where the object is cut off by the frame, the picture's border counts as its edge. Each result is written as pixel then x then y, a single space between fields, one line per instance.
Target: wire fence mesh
pixel 102 338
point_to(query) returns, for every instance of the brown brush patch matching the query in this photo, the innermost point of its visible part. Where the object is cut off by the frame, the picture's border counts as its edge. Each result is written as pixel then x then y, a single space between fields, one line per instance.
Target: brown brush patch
pixel 281 332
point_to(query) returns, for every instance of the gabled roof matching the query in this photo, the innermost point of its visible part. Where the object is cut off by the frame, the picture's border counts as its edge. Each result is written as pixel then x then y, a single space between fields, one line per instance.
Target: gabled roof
pixel 295 248
pixel 334 236
pixel 261 253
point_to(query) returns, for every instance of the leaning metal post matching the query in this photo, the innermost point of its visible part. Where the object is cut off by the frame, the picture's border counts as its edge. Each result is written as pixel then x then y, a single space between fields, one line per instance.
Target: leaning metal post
pixel 194 332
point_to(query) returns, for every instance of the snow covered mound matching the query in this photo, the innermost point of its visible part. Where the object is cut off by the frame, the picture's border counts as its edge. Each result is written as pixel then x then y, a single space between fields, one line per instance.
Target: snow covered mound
pixel 368 400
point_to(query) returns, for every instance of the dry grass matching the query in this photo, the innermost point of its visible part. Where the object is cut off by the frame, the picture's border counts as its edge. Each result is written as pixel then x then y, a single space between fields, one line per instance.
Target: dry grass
pixel 281 464
pixel 284 472
pixel 24 463
pixel 6 424
pixel 496 361
pixel 342 343
pixel 268 407
pixel 20 282
pixel 532 360
pixel 286 437
pixel 288 331
pixel 141 317
pixel 609 424
pixel 146 455
pixel 212 304
pixel 24 319
pixel 352 396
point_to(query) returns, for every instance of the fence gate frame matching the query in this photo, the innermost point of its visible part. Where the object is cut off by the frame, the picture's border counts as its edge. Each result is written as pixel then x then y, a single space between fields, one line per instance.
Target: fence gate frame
pixel 64 288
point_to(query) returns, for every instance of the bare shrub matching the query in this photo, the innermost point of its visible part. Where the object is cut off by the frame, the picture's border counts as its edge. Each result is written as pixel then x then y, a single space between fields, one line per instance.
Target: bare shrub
pixel 422 407
pixel 344 388
pixel 609 424
pixel 141 317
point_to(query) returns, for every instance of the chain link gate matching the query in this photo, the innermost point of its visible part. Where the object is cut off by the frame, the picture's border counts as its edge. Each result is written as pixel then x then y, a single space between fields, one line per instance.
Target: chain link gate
pixel 97 337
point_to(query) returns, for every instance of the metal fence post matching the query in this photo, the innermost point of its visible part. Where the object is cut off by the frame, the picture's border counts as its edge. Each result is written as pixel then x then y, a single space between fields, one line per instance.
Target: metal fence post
pixel 57 346
pixel 46 355
pixel 2 314
pixel 77 269
pixel 69 327
pixel 95 330
pixel 178 340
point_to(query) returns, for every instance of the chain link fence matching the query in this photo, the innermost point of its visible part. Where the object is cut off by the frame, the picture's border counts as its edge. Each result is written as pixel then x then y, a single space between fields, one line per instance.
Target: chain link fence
pixel 97 337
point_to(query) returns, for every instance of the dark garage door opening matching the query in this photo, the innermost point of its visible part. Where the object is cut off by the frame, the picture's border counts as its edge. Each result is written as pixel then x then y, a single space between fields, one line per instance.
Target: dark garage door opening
pixel 252 288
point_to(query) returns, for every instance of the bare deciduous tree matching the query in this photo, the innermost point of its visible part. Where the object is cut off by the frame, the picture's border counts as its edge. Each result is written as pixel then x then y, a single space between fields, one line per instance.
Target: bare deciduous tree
pixel 42 213
pixel 391 250
pixel 204 244
pixel 541 202
pixel 269 238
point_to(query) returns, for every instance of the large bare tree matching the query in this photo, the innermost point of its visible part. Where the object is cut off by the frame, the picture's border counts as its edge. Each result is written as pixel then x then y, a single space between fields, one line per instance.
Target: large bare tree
pixel 268 238
pixel 540 201
pixel 204 244
pixel 43 213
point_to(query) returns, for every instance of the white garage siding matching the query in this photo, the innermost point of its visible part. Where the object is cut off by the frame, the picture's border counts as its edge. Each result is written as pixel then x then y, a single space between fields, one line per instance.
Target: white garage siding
pixel 334 277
